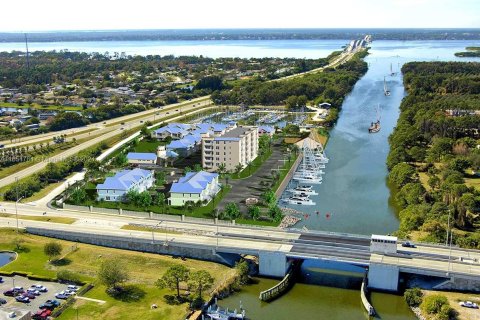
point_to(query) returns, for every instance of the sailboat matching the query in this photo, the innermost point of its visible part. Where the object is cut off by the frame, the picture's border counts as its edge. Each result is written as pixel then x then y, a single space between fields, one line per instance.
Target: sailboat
pixel 375 126
pixel 385 88
pixel 391 71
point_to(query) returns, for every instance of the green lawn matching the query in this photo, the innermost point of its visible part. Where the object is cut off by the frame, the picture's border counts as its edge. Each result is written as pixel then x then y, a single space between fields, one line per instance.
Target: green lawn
pixel 144 269
pixel 64 220
pixel 147 145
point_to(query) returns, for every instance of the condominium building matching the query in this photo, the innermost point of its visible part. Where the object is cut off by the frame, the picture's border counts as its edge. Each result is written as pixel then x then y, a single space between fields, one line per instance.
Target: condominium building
pixel 232 146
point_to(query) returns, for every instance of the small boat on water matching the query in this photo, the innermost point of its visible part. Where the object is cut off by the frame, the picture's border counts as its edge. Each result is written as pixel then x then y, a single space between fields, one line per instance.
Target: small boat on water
pixel 392 73
pixel 375 126
pixel 299 200
pixel 225 314
pixel 385 88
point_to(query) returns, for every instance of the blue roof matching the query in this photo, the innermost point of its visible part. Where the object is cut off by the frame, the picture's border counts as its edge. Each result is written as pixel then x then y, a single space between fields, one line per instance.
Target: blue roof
pixel 218 127
pixel 141 156
pixel 180 144
pixel 124 179
pixel 172 154
pixel 268 129
pixel 193 182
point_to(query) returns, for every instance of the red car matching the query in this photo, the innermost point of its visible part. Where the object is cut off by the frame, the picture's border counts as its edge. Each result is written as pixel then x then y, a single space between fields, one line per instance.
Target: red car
pixel 42 314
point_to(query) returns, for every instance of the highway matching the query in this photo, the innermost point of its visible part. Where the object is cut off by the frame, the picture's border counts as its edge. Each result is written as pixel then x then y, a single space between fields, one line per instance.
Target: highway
pixel 115 128
pixel 103 127
pixel 295 244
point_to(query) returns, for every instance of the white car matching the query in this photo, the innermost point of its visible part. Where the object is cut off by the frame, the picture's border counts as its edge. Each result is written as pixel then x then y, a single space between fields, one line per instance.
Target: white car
pixel 33 291
pixel 69 292
pixel 72 287
pixel 40 288
pixel 468 304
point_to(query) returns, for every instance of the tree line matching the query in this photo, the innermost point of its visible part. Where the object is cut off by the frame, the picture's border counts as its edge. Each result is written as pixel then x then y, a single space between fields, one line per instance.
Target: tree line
pixel 434 151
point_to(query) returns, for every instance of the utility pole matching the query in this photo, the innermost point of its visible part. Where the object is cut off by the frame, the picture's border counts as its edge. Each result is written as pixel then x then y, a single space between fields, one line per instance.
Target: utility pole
pixel 448 226
pixel 16 202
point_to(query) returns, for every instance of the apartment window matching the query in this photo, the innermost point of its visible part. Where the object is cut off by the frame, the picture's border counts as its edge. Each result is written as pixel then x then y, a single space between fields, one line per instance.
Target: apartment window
pixel 107 198
pixel 217 153
pixel 218 159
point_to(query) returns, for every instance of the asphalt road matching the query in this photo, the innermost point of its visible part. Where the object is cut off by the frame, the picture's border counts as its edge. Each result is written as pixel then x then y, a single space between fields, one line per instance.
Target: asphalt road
pixel 107 133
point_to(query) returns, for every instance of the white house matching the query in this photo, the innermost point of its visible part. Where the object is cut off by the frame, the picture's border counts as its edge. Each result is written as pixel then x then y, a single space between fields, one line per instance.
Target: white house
pixel 141 158
pixel 114 188
pixel 194 186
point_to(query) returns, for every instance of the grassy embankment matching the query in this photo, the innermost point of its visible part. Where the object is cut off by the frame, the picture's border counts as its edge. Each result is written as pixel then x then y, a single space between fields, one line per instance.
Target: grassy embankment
pixel 64 220
pixel 144 270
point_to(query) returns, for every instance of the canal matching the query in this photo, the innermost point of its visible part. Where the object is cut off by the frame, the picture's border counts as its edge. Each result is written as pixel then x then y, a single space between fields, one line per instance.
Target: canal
pixel 354 192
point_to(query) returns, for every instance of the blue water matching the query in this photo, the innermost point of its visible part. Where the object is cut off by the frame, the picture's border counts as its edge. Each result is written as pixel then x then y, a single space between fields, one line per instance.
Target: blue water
pixel 213 49
pixel 6 257
pixel 354 191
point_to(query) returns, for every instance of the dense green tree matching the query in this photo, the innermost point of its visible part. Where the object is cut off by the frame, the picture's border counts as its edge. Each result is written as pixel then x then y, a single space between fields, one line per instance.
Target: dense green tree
pixel 199 281
pixel 173 277
pixel 52 249
pixel 112 273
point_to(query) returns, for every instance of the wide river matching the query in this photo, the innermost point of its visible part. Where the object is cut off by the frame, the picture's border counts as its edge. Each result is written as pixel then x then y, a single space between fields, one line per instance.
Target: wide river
pixel 354 190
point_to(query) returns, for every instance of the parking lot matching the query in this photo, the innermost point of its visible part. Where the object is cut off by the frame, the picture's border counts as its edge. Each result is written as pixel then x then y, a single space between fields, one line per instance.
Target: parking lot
pixel 33 305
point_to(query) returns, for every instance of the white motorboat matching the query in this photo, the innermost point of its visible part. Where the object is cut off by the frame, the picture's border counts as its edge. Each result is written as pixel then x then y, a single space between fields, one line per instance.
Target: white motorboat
pixel 299 191
pixel 299 200
pixel 313 180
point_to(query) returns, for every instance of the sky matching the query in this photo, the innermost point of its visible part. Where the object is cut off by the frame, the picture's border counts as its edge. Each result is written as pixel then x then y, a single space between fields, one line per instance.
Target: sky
pixel 35 15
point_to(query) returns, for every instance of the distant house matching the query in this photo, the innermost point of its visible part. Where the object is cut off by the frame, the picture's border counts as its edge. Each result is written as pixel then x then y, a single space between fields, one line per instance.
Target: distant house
pixel 266 130
pixel 173 130
pixel 33 126
pixel 194 186
pixel 46 115
pixel 114 188
pixel 141 158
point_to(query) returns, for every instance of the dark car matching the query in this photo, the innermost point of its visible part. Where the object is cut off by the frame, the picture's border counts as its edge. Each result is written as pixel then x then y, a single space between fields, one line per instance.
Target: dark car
pixel 1 280
pixel 28 295
pixel 22 299
pixel 408 244
pixel 3 301
pixel 9 293
pixel 50 304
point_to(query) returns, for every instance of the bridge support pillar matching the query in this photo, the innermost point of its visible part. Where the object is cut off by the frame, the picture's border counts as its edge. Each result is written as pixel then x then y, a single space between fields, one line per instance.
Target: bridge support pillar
pixel 272 264
pixel 383 277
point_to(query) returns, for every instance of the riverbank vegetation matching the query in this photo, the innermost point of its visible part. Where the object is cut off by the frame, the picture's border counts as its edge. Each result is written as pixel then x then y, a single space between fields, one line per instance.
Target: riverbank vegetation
pixel 83 262
pixel 470 52
pixel 332 85
pixel 435 155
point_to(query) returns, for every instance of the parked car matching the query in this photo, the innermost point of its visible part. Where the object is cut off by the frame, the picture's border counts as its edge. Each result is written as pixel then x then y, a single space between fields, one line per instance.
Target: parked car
pixel 468 304
pixel 22 299
pixel 61 295
pixel 19 289
pixel 33 291
pixel 9 293
pixel 3 301
pixel 1 280
pixel 68 292
pixel 42 314
pixel 408 244
pixel 72 287
pixel 50 304
pixel 39 287
pixel 28 295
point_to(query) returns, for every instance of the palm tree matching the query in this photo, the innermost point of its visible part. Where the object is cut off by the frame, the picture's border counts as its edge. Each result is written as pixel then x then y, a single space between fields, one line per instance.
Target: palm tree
pixel 221 168
pixel 249 166
pixel 238 168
